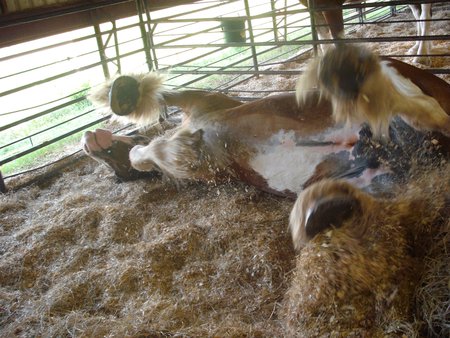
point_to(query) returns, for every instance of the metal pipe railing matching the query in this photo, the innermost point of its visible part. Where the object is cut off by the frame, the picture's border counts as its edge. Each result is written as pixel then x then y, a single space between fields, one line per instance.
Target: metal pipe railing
pixel 197 61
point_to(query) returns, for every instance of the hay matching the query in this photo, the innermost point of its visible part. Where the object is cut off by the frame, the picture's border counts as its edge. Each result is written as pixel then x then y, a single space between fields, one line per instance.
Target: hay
pixel 92 257
pixel 86 256
pixel 432 295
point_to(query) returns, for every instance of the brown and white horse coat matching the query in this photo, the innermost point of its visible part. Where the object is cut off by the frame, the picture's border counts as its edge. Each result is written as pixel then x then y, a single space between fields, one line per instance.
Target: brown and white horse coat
pixel 329 21
pixel 283 146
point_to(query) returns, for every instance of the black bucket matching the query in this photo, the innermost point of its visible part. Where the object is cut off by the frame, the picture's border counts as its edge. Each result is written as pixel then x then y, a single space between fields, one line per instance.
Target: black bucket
pixel 234 30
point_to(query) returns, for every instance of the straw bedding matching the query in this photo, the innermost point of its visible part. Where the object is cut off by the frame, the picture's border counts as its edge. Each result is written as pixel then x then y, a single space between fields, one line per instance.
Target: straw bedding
pixel 83 255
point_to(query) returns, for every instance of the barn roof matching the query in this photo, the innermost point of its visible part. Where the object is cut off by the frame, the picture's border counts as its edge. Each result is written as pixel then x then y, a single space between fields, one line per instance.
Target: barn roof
pixel 24 20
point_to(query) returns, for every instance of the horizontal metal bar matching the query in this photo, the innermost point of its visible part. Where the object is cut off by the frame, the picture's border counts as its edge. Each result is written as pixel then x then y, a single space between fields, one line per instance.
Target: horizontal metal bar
pixel 311 42
pixel 45 112
pixel 46 129
pixel 71 72
pixel 56 139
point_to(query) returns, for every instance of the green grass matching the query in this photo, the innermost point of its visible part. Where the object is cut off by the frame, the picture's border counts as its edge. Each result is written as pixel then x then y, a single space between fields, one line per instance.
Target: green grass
pixel 44 155
pixel 37 126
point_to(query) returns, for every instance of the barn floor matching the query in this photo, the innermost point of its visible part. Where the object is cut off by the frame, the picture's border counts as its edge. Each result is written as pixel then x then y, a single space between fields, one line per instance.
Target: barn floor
pixel 83 255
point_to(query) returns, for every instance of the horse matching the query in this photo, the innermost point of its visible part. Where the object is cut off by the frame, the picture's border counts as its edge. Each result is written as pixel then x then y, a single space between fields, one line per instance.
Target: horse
pixel 284 144
pixel 329 23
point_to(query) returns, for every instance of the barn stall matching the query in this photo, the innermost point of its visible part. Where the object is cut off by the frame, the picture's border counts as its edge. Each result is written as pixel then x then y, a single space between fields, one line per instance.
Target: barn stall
pixel 86 255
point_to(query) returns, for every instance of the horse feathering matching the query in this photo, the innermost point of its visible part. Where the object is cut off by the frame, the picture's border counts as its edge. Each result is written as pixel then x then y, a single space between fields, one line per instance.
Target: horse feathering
pixel 362 88
pixel 326 204
pixel 142 101
pixel 178 157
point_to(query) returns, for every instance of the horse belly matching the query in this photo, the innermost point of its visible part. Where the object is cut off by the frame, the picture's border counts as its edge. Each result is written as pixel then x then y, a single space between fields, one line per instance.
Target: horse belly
pixel 287 170
pixel 288 162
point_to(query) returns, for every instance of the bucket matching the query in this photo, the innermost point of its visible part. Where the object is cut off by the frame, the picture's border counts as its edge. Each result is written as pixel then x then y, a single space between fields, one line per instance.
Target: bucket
pixel 234 30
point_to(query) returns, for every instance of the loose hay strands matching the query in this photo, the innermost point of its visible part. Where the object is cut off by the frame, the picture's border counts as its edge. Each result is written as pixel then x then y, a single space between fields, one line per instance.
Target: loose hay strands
pixel 432 295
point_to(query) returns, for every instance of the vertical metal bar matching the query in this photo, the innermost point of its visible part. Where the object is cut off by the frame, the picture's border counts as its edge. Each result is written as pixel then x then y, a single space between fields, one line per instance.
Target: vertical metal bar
pixel 116 47
pixel 274 20
pixel 285 21
pixel 2 184
pixel 148 56
pixel 311 8
pixel 101 50
pixel 393 10
pixel 252 38
pixel 361 14
pixel 150 34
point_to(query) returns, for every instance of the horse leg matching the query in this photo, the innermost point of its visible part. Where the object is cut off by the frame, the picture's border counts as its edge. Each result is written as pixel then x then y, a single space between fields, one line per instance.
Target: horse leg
pixel 422 48
pixel 322 30
pixel 416 13
pixel 141 98
pixel 335 21
pixel 363 89
pixel 198 102
pixel 178 156
pixel 113 151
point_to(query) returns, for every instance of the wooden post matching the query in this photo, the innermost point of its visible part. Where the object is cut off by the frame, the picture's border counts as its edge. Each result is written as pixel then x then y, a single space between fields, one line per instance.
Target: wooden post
pixel 101 50
pixel 151 30
pixel 144 34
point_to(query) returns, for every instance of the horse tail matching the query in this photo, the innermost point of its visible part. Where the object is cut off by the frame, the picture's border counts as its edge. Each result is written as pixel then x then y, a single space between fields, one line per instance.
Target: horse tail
pixel 138 97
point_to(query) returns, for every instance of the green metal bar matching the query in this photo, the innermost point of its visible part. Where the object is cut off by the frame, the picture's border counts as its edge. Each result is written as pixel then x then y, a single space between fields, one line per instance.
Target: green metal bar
pixel 252 38
pixel 101 51
pixel 144 34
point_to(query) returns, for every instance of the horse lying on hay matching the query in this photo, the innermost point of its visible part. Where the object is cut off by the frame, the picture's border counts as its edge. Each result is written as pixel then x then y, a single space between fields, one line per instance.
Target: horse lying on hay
pixel 357 270
pixel 279 145
pixel 329 21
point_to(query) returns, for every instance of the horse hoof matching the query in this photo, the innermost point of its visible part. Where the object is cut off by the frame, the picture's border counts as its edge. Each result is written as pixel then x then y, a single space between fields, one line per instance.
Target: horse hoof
pixel 324 205
pixel 330 212
pixel 124 95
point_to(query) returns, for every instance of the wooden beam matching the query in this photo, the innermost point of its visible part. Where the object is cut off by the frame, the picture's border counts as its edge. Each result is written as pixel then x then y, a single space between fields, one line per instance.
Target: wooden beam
pixel 34 24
